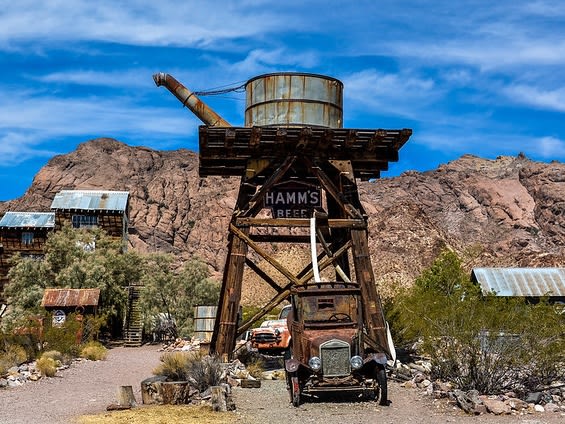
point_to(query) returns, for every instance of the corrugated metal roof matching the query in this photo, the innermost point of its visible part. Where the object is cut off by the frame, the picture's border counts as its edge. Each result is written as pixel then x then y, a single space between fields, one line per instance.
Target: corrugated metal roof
pixel 70 297
pixel 527 282
pixel 91 200
pixel 28 220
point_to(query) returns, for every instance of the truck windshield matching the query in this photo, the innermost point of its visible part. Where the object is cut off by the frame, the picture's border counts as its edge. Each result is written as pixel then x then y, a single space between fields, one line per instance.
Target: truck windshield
pixel 332 309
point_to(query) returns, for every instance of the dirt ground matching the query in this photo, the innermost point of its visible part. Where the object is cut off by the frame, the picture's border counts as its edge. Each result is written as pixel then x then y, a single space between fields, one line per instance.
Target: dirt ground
pixel 88 387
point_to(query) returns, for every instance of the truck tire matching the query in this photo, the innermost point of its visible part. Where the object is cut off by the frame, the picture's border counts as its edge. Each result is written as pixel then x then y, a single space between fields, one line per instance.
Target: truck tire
pixel 383 388
pixel 295 391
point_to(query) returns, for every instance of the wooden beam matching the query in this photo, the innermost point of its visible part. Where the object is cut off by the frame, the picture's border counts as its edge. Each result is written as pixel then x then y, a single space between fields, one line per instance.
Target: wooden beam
pixel 267 278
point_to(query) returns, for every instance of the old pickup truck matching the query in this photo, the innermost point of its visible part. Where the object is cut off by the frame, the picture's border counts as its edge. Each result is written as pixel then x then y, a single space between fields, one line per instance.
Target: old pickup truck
pixel 272 336
pixel 329 350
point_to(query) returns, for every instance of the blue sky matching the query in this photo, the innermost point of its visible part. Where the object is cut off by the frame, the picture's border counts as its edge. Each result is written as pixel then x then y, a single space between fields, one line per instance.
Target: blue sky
pixel 479 77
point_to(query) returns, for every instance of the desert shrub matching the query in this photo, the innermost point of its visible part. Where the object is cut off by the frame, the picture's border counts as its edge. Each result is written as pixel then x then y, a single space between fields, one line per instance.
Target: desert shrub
pixel 55 355
pixel 256 368
pixel 174 365
pixel 481 342
pixel 94 351
pixel 205 371
pixel 250 311
pixel 64 338
pixel 201 371
pixel 10 356
pixel 47 366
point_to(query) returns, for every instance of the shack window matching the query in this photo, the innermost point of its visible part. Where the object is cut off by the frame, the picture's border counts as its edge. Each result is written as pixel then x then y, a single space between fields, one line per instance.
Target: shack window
pixel 84 221
pixel 27 238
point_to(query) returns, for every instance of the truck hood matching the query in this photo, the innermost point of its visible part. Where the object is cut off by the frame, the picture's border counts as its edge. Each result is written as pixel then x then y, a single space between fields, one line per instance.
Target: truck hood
pixel 314 338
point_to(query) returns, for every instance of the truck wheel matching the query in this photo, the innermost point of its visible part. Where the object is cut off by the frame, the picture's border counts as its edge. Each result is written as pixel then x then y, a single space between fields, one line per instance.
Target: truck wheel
pixel 295 391
pixel 383 389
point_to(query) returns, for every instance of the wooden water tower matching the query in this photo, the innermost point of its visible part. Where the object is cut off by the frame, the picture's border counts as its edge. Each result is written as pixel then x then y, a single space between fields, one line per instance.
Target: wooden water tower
pixel 299 169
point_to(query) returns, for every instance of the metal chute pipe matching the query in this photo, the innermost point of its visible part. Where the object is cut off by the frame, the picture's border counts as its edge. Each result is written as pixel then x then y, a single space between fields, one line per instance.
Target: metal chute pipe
pixel 190 100
pixel 313 250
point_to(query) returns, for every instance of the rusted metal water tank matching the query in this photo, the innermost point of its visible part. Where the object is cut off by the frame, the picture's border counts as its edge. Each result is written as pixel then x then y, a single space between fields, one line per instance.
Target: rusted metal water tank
pixel 294 99
pixel 204 318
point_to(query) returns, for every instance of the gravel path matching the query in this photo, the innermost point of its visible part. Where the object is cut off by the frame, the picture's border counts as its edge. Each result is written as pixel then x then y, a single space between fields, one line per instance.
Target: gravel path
pixel 85 388
pixel 89 387
pixel 270 404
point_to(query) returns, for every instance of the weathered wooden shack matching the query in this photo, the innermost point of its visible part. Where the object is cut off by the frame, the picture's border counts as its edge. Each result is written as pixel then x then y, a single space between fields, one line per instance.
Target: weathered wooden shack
pixel 24 233
pixel 108 210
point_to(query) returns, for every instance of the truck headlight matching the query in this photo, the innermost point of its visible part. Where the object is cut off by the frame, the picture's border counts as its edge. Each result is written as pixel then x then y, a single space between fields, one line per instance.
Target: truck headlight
pixel 315 363
pixel 356 362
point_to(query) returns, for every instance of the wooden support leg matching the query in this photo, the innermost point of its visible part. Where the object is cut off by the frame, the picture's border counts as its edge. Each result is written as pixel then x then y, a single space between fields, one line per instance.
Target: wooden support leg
pixel 374 315
pixel 225 328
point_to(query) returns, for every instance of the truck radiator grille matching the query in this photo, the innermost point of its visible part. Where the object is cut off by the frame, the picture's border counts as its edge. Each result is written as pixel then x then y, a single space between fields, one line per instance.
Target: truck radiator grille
pixel 264 338
pixel 335 355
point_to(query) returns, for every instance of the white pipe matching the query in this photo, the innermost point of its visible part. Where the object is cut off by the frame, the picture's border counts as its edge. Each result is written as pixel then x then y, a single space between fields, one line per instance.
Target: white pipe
pixel 313 250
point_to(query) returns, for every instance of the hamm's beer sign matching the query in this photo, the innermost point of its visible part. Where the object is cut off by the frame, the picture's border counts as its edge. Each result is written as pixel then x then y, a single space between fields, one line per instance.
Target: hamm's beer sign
pixel 293 199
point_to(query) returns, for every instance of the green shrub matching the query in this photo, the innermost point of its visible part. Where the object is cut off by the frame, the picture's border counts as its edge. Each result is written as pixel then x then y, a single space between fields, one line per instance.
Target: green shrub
pixel 47 366
pixel 64 338
pixel 94 351
pixel 480 342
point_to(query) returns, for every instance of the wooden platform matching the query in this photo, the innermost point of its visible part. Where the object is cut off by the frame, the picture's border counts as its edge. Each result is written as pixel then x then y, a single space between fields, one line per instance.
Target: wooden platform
pixel 226 151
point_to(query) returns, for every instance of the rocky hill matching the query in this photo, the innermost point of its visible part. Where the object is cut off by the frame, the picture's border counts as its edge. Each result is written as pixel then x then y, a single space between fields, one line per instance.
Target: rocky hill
pixel 504 212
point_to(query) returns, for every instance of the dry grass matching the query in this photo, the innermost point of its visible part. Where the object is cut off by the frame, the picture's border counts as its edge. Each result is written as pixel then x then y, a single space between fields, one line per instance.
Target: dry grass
pixel 161 414
pixel 47 366
pixel 94 351
pixel 256 369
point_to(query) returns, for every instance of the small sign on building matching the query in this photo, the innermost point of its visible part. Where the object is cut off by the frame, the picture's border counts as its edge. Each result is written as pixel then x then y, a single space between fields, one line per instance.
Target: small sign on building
pixel 293 199
pixel 59 318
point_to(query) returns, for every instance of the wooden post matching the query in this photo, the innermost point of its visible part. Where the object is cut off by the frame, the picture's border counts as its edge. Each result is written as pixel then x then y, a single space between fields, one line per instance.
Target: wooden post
pixel 219 395
pixel 126 397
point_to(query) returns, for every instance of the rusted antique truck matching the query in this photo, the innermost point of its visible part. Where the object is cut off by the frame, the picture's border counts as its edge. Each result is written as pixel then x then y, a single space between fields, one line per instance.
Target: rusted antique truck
pixel 329 351
pixel 272 336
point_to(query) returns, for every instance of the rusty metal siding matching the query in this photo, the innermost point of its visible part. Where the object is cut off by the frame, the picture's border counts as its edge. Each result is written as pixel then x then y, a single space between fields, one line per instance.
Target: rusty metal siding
pixel 28 220
pixel 70 297
pixel 525 282
pixel 294 99
pixel 91 200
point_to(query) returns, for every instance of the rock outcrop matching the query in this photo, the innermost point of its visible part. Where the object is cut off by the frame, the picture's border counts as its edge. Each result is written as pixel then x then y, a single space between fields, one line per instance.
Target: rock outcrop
pixel 504 212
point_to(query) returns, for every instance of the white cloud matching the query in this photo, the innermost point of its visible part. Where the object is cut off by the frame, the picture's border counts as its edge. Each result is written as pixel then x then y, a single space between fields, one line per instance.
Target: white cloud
pixel 550 99
pixel 550 147
pixel 395 94
pixel 17 147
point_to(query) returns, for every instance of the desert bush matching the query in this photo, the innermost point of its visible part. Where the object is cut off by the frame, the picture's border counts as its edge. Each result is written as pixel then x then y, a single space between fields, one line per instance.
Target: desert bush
pixel 480 342
pixel 47 366
pixel 55 355
pixel 201 371
pixel 256 368
pixel 10 356
pixel 205 371
pixel 94 351
pixel 174 365
pixel 64 338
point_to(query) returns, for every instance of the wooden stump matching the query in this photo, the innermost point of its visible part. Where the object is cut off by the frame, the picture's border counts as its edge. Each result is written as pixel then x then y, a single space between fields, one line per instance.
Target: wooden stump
pixel 175 392
pixel 126 397
pixel 151 392
pixel 219 395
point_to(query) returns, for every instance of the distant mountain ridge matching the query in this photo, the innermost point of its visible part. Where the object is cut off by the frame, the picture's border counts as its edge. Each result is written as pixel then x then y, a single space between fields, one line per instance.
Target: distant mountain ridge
pixel 509 211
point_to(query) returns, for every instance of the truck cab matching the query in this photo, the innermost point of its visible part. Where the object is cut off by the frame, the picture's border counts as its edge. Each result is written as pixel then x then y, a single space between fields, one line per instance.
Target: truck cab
pixel 329 349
